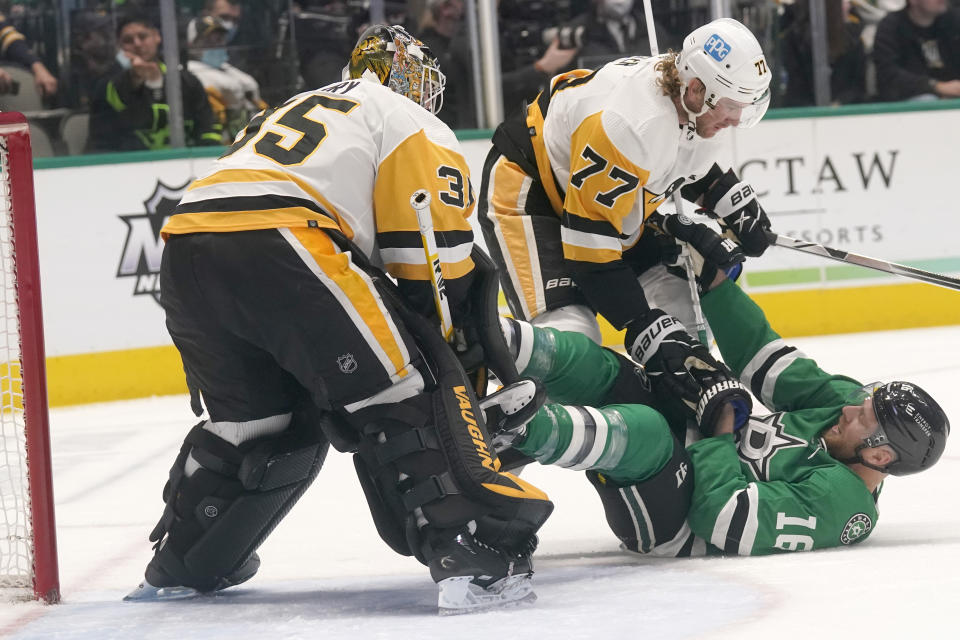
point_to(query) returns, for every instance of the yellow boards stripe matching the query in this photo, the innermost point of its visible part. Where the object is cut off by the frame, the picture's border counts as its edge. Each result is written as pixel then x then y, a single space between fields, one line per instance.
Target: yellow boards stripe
pixel 156 371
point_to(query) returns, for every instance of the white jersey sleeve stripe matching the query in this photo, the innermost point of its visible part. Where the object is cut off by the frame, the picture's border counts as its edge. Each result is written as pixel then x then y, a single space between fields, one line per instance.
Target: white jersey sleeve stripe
pixel 773 374
pixel 759 358
pixel 735 528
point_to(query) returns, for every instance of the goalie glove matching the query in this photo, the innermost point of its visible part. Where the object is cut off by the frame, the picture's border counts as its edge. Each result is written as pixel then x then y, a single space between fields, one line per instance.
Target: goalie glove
pixel 678 365
pixel 740 215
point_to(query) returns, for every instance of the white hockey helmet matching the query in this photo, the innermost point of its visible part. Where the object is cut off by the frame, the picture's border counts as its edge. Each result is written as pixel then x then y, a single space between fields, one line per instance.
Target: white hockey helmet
pixel 726 57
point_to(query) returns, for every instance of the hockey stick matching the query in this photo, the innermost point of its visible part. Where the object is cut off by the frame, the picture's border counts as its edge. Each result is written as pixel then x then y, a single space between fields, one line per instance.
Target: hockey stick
pixel 863 261
pixel 420 201
pixel 698 318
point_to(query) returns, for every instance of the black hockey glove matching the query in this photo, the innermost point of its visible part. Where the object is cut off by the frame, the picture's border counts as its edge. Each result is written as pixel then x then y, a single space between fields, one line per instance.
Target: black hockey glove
pixel 680 366
pixel 720 387
pixel 735 204
pixel 723 252
pixel 708 250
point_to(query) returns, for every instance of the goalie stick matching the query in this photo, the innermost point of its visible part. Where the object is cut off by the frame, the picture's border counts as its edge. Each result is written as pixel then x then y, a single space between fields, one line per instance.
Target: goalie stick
pixel 420 201
pixel 863 261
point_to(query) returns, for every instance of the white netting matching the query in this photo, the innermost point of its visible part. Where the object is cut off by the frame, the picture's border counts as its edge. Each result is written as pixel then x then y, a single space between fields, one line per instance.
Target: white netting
pixel 16 548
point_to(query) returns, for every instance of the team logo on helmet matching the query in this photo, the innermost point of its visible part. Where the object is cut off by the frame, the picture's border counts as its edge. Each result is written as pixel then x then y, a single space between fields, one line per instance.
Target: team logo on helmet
pixel 717 47
pixel 856 529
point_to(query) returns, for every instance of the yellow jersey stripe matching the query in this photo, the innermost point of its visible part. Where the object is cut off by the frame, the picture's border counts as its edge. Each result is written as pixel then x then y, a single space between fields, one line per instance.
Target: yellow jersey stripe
pixel 227 221
pixel 226 176
pixel 366 305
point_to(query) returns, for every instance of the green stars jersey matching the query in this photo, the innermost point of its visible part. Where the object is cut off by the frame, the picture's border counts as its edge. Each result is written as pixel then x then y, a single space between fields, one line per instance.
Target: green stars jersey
pixel 774 487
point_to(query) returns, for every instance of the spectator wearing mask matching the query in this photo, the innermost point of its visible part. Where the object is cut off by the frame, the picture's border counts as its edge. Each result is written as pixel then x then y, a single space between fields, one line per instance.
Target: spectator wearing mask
pixel 234 95
pixel 129 110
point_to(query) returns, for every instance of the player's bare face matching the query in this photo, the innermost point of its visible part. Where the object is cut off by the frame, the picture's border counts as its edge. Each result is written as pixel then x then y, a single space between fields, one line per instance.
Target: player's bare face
pixel 715 120
pixel 855 423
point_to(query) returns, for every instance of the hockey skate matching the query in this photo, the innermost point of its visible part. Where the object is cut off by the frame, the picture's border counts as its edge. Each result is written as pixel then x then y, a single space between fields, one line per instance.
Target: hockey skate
pixel 473 576
pixel 508 411
pixel 158 585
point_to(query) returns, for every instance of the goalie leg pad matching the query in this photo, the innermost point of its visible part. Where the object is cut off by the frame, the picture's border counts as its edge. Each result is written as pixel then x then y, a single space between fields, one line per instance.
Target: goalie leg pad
pixel 224 497
pixel 429 459
pixel 650 516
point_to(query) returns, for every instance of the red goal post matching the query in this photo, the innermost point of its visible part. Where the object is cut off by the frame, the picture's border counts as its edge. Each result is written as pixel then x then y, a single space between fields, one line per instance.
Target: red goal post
pixel 28 556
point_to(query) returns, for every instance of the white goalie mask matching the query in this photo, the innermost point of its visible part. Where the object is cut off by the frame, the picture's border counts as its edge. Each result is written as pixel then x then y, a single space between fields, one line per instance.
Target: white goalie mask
pixel 726 57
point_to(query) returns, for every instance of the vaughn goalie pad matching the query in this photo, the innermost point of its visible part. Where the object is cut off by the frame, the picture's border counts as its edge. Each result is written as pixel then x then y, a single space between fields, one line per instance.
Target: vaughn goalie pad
pixel 432 455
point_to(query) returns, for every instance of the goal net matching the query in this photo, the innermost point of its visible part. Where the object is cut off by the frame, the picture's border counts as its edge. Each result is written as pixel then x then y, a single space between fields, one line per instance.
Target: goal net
pixel 28 561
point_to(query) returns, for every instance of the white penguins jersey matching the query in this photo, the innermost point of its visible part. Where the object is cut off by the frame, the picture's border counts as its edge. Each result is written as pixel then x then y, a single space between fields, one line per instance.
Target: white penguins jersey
pixel 345 157
pixel 617 149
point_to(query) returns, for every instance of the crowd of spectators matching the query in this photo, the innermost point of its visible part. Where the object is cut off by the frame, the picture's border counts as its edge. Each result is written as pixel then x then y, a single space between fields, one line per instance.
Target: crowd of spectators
pixel 239 56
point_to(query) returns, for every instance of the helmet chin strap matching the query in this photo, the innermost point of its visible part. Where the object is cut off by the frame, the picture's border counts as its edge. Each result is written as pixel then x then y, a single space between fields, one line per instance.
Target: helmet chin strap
pixel 857 459
pixel 691 115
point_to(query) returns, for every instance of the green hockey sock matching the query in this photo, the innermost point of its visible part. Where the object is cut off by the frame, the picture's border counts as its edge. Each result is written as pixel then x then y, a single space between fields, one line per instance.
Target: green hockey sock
pixel 629 442
pixel 574 369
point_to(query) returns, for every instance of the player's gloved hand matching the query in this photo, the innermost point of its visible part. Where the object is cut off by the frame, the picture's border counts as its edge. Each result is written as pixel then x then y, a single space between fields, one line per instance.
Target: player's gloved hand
pixel 679 365
pixel 719 388
pixel 661 344
pixel 708 250
pixel 705 272
pixel 735 204
pixel 710 245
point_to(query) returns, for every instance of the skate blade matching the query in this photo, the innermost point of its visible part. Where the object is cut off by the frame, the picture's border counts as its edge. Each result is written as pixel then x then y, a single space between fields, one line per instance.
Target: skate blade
pixel 459 595
pixel 146 592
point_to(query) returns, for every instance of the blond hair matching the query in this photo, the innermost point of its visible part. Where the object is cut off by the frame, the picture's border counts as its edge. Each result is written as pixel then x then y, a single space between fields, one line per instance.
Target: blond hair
pixel 669 80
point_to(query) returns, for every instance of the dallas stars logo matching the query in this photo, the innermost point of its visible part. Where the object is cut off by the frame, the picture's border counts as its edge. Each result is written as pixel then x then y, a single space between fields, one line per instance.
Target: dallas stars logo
pixel 143 247
pixel 762 439
pixel 856 528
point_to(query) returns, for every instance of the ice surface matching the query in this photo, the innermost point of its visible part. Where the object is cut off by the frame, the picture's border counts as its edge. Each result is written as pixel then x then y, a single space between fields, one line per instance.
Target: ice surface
pixel 326 574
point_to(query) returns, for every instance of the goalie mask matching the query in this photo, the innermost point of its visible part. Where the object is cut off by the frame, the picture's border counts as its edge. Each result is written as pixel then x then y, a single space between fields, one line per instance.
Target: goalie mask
pixel 911 423
pixel 726 57
pixel 395 59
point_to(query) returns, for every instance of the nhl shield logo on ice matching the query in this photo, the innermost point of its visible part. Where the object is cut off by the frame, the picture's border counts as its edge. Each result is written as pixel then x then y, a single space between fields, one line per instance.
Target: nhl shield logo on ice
pixel 347 363
pixel 143 247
